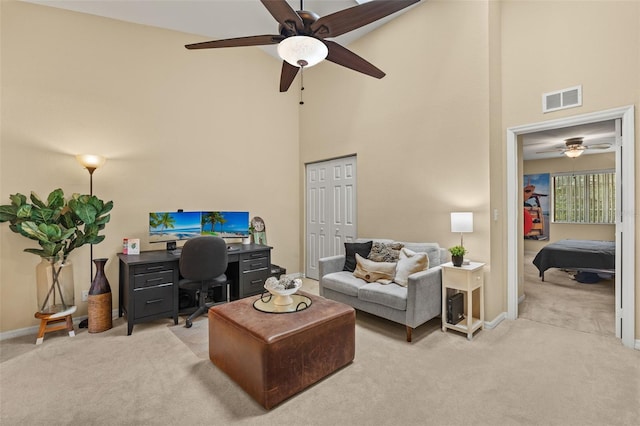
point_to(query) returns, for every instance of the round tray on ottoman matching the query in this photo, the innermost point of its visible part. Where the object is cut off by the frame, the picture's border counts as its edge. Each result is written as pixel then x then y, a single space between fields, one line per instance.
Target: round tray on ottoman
pixel 266 304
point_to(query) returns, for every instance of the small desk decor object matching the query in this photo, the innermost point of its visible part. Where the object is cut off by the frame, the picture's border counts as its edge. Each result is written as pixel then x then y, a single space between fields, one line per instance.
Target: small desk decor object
pixel 131 246
pixel 469 280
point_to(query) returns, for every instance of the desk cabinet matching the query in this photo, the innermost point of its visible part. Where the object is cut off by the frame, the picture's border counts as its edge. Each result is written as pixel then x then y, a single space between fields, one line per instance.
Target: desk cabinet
pixel 149 280
pixel 255 268
pixel 148 288
pixel 468 279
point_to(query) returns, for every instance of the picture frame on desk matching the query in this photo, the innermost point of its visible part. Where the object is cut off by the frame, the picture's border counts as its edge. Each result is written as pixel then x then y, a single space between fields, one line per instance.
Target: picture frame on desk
pixel 131 246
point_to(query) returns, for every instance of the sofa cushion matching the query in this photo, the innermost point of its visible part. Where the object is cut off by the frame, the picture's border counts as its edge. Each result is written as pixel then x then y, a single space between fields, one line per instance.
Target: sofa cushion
pixel 371 271
pixel 432 250
pixel 343 282
pixel 390 295
pixel 410 262
pixel 385 252
pixel 362 248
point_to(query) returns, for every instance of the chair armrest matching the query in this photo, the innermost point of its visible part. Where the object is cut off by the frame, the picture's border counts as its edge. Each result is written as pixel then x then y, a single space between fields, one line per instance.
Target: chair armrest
pixel 328 265
pixel 424 296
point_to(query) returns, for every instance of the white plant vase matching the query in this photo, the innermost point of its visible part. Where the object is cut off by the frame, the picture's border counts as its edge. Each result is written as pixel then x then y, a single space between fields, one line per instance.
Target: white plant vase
pixel 55 286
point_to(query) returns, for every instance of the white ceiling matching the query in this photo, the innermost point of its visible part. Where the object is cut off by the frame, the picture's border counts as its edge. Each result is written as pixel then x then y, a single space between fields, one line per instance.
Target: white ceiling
pixel 218 19
pixel 593 133
pixel 212 19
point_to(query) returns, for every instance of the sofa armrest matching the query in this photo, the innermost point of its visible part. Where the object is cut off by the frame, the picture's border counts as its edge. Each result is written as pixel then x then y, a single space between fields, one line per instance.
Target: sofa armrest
pixel 424 296
pixel 328 265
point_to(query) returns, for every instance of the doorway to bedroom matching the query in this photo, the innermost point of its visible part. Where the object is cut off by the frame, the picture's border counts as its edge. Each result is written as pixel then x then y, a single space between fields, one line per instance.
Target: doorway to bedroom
pixel 624 291
pixel 570 198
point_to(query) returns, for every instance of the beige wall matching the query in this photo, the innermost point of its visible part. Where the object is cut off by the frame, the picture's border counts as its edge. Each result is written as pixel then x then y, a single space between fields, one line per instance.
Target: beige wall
pixel 559 231
pixel 551 45
pixel 180 129
pixel 421 134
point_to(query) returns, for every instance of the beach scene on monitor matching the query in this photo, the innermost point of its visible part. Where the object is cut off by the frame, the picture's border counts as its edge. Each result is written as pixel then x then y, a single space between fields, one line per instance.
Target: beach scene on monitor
pixel 225 224
pixel 178 226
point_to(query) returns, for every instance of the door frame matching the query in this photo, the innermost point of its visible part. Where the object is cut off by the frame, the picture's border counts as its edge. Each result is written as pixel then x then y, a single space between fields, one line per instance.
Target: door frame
pixel 625 302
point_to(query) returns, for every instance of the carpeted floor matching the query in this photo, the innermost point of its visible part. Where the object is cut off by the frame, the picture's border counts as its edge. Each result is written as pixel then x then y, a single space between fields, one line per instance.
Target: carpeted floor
pixel 562 301
pixel 523 372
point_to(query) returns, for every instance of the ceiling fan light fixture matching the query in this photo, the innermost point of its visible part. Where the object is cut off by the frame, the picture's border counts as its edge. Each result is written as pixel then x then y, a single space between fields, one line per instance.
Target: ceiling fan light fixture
pixel 302 51
pixel 574 152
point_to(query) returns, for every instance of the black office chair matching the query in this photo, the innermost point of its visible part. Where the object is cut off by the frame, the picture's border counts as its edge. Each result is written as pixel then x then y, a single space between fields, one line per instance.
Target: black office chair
pixel 203 262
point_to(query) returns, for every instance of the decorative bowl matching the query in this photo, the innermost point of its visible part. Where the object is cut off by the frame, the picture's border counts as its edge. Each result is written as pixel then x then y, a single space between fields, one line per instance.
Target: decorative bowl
pixel 282 289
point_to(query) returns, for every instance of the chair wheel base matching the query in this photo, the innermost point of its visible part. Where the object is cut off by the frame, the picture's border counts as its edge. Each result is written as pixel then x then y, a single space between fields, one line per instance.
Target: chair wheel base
pixel 188 323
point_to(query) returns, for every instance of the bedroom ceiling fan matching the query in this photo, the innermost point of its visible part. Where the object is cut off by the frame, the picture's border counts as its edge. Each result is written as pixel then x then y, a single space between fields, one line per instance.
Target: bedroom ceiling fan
pixel 302 36
pixel 574 147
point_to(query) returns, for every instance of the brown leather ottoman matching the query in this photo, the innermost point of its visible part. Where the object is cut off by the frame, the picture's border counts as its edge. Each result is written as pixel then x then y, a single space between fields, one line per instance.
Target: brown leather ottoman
pixel 274 356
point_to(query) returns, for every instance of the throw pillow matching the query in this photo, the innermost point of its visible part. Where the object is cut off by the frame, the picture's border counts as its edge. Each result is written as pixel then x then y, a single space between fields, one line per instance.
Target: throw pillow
pixel 371 271
pixel 409 263
pixel 381 252
pixel 351 249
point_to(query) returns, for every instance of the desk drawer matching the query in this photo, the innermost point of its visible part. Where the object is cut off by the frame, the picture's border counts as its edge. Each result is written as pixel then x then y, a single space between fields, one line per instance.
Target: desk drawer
pixel 253 281
pixel 255 264
pixel 153 301
pixel 152 279
pixel 149 268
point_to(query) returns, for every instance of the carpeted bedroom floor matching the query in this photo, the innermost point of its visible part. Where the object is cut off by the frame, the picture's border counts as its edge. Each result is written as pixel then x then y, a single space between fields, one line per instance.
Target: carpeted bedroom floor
pixel 562 301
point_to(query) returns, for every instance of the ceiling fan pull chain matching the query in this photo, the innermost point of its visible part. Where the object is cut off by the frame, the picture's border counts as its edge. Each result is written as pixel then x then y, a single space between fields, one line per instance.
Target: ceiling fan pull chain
pixel 301 84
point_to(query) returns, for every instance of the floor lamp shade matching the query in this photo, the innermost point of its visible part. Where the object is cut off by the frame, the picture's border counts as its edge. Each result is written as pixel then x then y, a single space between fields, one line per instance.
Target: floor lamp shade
pixel 90 161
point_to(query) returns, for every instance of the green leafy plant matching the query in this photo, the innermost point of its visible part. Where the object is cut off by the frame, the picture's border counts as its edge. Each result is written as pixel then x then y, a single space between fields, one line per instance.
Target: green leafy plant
pixel 58 225
pixel 457 251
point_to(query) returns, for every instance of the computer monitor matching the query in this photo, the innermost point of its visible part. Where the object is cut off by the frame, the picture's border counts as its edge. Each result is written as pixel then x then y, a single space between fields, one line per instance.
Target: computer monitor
pixel 174 226
pixel 225 224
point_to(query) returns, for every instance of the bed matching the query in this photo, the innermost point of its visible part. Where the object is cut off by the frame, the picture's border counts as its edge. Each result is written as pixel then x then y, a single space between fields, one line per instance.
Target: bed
pixel 583 255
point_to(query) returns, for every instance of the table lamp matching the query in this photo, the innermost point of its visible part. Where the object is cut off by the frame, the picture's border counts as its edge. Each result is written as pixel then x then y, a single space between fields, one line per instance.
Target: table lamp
pixel 461 222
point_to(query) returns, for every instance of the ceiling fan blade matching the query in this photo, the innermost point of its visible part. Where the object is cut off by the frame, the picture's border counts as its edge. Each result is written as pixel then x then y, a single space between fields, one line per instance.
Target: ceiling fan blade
pixel 342 56
pixel 284 14
pixel 599 146
pixel 354 17
pixel 258 40
pixel 287 76
pixel 559 150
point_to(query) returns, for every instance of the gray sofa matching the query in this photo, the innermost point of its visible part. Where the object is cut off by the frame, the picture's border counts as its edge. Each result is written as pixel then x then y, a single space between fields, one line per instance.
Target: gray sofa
pixel 412 306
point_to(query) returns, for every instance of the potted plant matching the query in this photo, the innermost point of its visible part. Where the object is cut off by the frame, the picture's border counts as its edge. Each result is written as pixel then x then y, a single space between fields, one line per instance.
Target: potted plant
pixel 59 226
pixel 457 255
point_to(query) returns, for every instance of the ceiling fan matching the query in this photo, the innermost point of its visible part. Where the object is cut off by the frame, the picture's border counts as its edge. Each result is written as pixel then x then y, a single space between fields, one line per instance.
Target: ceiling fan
pixel 574 147
pixel 302 39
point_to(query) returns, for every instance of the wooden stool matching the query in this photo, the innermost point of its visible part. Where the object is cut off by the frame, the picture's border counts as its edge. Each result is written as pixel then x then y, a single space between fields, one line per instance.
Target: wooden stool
pixel 46 319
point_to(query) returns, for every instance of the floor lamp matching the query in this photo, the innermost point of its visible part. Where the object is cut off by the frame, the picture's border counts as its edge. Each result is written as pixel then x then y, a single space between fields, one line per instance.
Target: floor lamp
pixel 91 162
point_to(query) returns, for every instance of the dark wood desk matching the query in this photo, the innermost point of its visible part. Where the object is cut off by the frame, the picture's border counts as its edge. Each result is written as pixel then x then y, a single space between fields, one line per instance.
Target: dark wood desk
pixel 149 281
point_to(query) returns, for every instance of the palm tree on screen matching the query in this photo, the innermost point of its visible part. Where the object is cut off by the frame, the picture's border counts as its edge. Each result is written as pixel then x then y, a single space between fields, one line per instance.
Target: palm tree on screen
pixel 162 221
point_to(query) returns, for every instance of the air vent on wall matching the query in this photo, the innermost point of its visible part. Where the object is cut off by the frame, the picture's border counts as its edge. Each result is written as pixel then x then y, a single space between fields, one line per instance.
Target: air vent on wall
pixel 562 99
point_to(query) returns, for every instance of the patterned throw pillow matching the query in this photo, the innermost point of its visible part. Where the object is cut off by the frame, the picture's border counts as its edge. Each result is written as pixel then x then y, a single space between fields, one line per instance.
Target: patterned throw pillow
pixel 385 252
pixel 371 271
pixel 409 263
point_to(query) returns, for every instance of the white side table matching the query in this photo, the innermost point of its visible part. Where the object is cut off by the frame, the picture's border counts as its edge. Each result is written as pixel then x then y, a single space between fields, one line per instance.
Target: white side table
pixel 468 279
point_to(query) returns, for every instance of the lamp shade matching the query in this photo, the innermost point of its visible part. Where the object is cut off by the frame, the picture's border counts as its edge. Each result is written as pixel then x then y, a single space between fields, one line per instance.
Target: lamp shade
pixel 90 161
pixel 461 222
pixel 302 51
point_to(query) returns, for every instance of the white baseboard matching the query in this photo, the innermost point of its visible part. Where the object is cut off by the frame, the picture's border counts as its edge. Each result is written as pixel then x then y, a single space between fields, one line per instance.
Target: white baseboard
pixel 296 275
pixel 34 329
pixel 496 321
